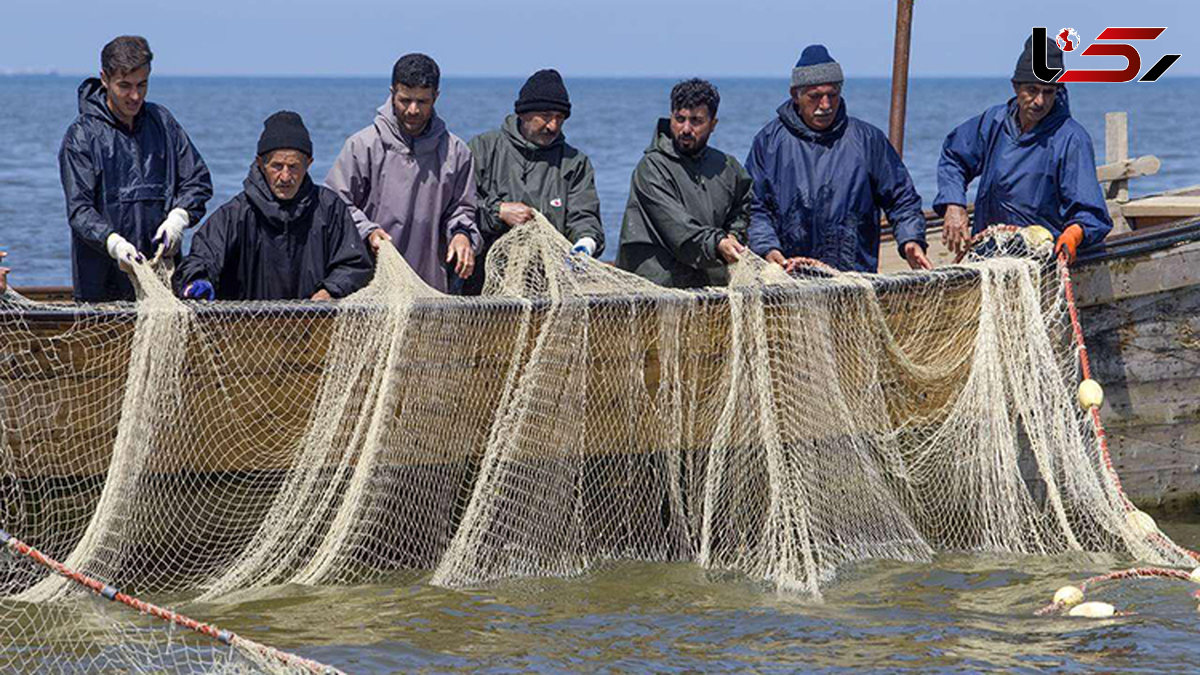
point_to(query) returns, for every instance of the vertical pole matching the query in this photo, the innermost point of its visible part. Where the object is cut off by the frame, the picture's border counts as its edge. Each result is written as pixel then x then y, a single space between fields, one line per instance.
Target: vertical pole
pixel 1116 149
pixel 904 10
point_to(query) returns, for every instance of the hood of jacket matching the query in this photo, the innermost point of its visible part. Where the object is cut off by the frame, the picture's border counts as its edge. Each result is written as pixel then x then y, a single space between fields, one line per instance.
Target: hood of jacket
pixel 795 124
pixel 512 131
pixel 276 212
pixel 93 102
pixel 1049 124
pixel 664 142
pixel 394 138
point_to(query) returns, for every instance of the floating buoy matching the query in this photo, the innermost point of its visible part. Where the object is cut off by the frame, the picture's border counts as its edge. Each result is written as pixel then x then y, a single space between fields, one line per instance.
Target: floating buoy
pixel 1067 596
pixel 1036 236
pixel 1091 395
pixel 1141 522
pixel 1195 576
pixel 1093 610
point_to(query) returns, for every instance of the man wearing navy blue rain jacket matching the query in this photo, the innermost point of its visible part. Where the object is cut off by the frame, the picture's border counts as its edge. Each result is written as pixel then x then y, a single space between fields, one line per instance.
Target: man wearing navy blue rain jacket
pixel 132 179
pixel 1035 166
pixel 821 178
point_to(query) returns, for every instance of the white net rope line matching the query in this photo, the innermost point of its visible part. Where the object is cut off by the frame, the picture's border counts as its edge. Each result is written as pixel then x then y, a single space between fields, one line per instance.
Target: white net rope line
pixel 576 414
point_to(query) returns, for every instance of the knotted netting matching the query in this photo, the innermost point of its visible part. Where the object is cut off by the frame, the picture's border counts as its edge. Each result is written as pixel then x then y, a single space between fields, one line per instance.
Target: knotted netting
pixel 783 428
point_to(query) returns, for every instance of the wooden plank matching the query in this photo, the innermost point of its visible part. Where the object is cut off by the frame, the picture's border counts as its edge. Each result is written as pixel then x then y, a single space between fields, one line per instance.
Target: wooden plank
pixel 1175 206
pixel 1113 280
pixel 1121 171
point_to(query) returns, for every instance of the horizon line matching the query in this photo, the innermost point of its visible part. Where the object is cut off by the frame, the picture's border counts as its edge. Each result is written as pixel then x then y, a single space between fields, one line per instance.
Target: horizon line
pixel 597 76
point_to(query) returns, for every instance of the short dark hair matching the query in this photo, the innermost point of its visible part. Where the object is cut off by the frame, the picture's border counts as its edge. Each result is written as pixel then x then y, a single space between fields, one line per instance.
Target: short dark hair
pixel 125 54
pixel 694 92
pixel 417 71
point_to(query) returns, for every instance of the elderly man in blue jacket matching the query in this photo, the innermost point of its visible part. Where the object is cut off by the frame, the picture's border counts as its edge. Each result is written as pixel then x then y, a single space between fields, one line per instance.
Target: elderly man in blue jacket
pixel 821 178
pixel 132 179
pixel 1035 166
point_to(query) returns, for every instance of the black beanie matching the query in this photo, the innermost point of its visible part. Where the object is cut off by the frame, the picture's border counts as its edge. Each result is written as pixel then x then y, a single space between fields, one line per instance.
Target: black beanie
pixel 1023 73
pixel 544 90
pixel 284 130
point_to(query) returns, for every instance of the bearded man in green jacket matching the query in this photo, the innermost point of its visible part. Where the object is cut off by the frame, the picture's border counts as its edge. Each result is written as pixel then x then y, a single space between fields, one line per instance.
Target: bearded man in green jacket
pixel 527 164
pixel 689 204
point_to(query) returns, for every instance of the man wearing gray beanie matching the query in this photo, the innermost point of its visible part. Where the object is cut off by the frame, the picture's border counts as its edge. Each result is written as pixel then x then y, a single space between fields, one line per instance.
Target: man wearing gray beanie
pixel 822 177
pixel 1034 162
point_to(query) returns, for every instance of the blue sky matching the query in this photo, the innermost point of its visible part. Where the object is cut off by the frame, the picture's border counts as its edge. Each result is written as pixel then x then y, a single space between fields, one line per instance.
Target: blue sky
pixel 610 37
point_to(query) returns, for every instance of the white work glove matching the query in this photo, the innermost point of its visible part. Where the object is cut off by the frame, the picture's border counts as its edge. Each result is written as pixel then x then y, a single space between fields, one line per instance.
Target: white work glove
pixel 585 245
pixel 122 251
pixel 170 233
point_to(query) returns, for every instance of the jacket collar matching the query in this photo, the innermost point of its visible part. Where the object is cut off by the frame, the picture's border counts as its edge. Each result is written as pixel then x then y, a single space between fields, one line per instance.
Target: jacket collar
pixel 93 102
pixel 394 137
pixel 795 124
pixel 277 213
pixel 664 143
pixel 512 131
pixel 1057 116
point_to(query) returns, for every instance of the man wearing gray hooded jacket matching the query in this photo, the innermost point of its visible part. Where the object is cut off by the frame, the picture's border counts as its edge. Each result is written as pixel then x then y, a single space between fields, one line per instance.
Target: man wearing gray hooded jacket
pixel 410 181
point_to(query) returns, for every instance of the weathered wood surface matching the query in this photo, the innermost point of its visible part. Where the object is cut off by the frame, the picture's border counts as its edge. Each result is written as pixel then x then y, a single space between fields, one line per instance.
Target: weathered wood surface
pixel 1141 321
pixel 251 382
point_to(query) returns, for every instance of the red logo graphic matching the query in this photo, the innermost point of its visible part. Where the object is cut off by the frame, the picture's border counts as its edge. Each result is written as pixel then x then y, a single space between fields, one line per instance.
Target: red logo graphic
pixel 1068 40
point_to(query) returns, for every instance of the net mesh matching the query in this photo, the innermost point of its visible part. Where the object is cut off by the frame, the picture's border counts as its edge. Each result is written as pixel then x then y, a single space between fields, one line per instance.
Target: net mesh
pixel 782 427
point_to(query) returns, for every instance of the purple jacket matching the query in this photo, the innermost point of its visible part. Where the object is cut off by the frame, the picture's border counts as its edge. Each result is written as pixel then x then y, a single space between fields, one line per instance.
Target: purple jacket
pixel 420 190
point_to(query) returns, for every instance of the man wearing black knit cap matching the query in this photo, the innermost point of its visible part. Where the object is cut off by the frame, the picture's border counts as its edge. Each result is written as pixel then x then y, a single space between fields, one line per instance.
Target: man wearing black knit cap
pixel 527 164
pixel 1034 162
pixel 283 237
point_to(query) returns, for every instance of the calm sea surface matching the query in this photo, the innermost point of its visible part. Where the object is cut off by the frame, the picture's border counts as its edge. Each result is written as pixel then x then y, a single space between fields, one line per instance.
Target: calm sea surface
pixel 959 613
pixel 612 121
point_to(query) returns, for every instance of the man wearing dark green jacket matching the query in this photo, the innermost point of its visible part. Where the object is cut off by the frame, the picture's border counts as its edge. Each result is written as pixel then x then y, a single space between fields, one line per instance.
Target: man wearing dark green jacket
pixel 689 204
pixel 527 164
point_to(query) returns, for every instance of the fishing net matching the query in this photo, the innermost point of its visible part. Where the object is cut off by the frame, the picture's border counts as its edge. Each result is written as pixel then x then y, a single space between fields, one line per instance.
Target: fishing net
pixel 783 428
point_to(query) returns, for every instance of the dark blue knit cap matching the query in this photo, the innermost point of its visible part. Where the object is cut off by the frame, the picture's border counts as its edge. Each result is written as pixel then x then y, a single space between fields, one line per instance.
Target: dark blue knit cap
pixel 816 66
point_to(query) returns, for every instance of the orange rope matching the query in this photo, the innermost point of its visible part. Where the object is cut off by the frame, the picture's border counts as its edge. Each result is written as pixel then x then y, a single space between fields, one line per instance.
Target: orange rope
pixel 111 593
pixel 1106 457
pixel 1134 573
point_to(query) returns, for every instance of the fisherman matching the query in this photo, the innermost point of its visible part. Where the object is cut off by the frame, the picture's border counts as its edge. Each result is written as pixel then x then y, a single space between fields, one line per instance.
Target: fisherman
pixel 689 204
pixel 409 181
pixel 1034 162
pixel 527 164
pixel 282 237
pixel 132 178
pixel 821 178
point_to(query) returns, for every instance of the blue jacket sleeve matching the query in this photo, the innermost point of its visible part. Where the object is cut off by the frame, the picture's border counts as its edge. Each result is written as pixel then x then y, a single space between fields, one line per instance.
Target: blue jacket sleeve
pixel 194 183
pixel 79 182
pixel 1081 201
pixel 960 163
pixel 763 232
pixel 895 193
